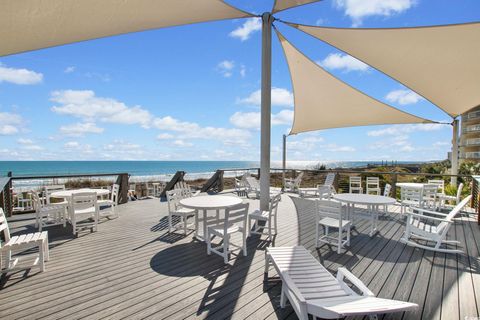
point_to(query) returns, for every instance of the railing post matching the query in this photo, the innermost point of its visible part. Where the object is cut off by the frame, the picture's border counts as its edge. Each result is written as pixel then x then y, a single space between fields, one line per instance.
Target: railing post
pixel 122 181
pixel 394 185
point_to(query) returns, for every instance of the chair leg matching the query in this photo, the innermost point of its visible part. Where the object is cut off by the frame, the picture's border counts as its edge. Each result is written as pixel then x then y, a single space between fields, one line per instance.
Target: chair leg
pixel 270 229
pixel 348 235
pixel 340 236
pixel 316 235
pixel 225 248
pixel 249 227
pixel 185 224
pixel 209 244
pixel 47 250
pixel 276 225
pixel 244 243
pixel 41 256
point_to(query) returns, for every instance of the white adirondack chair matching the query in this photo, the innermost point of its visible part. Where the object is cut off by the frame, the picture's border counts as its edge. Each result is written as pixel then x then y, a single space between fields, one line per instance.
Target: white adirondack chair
pixel 355 184
pixel 111 204
pixel 373 185
pixel 176 209
pixel 235 222
pixel 431 226
pixel 312 290
pixel 330 215
pixel 293 184
pixel 17 244
pixel 455 199
pixel 48 190
pixel 252 186
pixel 185 189
pixel 83 211
pixel 329 181
pixel 48 214
pixel 241 184
pixel 269 217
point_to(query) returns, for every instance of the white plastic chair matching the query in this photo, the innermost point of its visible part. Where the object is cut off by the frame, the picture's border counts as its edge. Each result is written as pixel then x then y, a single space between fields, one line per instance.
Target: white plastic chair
pixel 293 184
pixel 252 186
pixel 175 209
pixel 329 214
pixel 431 226
pixel 410 197
pixel 111 204
pixel 429 196
pixel 386 193
pixel 440 190
pixel 455 199
pixel 48 214
pixel 329 181
pixel 48 190
pixel 313 290
pixel 17 244
pixel 269 217
pixel 83 211
pixel 355 184
pixel 235 222
pixel 373 185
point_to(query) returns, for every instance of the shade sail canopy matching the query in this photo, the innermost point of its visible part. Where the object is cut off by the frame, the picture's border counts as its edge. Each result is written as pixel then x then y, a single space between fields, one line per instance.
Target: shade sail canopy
pixel 281 5
pixel 323 101
pixel 440 63
pixel 34 24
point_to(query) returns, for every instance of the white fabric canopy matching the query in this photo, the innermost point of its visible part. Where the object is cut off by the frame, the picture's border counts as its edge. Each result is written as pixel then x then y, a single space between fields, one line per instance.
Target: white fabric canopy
pixel 281 5
pixel 323 101
pixel 34 24
pixel 440 63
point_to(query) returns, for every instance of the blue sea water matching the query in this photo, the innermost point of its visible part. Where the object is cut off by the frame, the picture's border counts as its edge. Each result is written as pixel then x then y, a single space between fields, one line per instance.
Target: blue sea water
pixel 149 168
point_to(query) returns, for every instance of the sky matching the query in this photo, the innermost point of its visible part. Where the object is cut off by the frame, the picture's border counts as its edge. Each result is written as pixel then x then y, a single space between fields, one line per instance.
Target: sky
pixel 192 92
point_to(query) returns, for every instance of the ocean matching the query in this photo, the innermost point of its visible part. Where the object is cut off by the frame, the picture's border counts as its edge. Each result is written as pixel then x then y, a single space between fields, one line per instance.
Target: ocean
pixel 152 168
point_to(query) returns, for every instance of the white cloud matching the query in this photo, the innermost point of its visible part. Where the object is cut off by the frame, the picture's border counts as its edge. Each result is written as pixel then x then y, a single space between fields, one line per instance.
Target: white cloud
pixel 225 67
pixel 245 30
pixel 339 61
pixel 72 145
pixel 280 97
pixel 32 147
pixel 397 143
pixel 69 69
pixel 19 76
pixel 84 104
pixel 165 136
pixel 251 120
pixel 405 128
pixel 183 144
pixel 243 71
pixel 10 123
pixel 357 10
pixel 24 141
pixel 403 97
pixel 320 21
pixel 79 129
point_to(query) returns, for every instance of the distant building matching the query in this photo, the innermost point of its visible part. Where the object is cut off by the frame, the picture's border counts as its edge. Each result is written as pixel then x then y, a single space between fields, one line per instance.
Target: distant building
pixel 470 136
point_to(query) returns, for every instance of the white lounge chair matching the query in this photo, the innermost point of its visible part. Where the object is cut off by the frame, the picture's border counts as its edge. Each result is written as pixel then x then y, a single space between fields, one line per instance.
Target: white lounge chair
pixel 312 289
pixel 269 217
pixel 330 215
pixel 175 209
pixel 21 243
pixel 431 226
pixel 322 191
pixel 241 184
pixel 83 211
pixel 235 221
pixel 293 184
pixel 186 189
pixel 455 199
pixel 355 184
pixel 111 204
pixel 252 186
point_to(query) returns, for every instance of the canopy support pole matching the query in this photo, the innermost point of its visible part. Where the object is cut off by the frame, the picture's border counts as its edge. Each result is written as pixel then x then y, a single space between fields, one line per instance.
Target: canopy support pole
pixel 284 156
pixel 265 127
pixel 454 171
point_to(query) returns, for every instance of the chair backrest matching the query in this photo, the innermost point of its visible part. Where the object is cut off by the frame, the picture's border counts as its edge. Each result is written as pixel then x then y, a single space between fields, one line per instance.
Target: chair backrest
pixel 48 190
pixel 330 179
pixel 114 195
pixel 355 182
pixel 298 179
pixel 411 194
pixel 173 199
pixel 329 209
pixel 324 192
pixel 4 227
pixel 83 200
pixel 373 182
pixel 253 183
pixel 459 192
pixel 236 215
pixel 184 188
pixel 37 203
pixel 440 185
pixel 429 192
pixel 273 206
pixel 387 190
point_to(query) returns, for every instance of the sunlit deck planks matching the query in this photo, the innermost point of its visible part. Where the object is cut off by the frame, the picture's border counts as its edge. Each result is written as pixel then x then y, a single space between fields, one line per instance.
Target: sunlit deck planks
pixel 131 268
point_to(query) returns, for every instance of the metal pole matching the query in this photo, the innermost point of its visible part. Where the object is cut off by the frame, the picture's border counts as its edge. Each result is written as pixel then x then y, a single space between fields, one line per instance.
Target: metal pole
pixel 284 156
pixel 265 127
pixel 453 180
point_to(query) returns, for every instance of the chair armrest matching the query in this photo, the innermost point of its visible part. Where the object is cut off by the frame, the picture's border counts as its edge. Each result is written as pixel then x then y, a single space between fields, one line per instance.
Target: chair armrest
pixel 292 287
pixel 430 212
pixel 427 217
pixel 344 273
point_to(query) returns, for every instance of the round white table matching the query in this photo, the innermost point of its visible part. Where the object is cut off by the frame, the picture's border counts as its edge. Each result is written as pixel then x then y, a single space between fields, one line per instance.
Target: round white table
pixel 69 193
pixel 371 201
pixel 205 203
pixel 413 185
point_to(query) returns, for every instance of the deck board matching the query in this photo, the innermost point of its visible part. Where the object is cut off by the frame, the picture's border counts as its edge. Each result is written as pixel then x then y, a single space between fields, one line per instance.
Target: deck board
pixel 132 268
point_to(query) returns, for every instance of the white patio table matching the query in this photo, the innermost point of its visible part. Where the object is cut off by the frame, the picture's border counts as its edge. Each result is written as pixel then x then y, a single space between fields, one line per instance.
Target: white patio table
pixel 371 201
pixel 205 203
pixel 68 193
pixel 413 185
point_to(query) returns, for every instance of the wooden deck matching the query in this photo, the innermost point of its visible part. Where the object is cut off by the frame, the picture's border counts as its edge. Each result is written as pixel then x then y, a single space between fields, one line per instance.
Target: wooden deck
pixel 132 268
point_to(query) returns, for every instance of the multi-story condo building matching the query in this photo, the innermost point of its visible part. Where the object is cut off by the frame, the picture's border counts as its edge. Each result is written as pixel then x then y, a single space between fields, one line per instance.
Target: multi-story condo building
pixel 470 136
